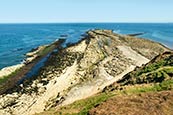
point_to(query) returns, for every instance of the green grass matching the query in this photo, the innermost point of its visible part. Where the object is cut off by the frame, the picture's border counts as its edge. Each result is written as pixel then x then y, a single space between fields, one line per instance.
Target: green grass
pixel 158 70
pixel 80 107
pixel 165 85
pixel 152 67
pixel 5 78
pixel 155 76
pixel 169 70
pixel 46 50
pixel 166 61
pixel 85 105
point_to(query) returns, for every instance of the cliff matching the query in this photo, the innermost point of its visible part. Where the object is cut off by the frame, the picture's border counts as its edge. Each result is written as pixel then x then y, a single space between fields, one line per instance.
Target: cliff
pixel 79 71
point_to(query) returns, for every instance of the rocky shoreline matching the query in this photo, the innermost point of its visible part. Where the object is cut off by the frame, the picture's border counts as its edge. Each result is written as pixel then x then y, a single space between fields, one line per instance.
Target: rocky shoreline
pixel 33 57
pixel 30 56
pixel 79 71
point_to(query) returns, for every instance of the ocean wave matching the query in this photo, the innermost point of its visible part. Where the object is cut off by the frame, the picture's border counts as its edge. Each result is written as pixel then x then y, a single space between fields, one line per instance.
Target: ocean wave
pixel 117 31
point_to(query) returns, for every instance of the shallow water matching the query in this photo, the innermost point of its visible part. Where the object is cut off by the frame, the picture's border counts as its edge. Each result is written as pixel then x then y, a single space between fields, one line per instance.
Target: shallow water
pixel 18 39
pixel 34 71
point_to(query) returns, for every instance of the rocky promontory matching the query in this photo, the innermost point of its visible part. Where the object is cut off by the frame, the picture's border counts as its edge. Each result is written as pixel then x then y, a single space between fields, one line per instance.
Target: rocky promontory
pixel 79 71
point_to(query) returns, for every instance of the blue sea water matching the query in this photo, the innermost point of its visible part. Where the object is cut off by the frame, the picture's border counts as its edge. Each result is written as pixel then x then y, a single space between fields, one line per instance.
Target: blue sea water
pixel 17 39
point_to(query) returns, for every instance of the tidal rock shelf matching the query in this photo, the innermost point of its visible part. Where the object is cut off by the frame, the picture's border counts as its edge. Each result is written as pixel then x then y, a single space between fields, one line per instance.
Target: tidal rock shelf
pixel 19 72
pixel 8 70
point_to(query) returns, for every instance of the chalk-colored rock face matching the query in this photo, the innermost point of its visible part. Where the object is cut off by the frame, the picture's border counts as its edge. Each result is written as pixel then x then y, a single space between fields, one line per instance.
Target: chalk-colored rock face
pixel 79 71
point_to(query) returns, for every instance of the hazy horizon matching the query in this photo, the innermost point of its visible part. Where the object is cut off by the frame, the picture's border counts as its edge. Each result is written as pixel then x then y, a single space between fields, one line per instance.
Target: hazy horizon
pixel 90 11
pixel 83 22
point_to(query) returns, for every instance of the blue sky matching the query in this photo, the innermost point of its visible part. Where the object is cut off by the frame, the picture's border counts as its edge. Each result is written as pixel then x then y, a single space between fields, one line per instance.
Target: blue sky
pixel 40 11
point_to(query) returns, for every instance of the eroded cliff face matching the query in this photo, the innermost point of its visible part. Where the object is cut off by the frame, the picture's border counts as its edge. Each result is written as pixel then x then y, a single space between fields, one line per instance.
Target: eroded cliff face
pixel 79 71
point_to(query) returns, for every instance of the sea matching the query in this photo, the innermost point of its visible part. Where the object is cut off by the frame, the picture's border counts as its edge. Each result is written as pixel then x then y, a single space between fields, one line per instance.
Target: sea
pixel 17 39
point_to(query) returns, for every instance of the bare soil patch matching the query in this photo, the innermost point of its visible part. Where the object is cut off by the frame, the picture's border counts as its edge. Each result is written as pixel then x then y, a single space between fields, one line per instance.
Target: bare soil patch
pixel 153 103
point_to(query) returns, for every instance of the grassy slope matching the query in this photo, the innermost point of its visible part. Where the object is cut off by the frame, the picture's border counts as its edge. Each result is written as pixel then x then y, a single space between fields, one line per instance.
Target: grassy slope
pixel 157 74
pixel 82 107
pixel 158 70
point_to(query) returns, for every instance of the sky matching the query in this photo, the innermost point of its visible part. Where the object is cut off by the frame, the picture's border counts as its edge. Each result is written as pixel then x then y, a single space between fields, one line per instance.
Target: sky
pixel 66 11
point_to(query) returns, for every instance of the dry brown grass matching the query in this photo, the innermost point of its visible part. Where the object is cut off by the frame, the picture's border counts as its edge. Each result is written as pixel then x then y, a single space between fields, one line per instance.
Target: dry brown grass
pixel 152 103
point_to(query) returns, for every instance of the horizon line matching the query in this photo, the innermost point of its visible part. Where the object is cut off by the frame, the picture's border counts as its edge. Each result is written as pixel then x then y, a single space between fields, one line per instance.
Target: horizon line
pixel 72 22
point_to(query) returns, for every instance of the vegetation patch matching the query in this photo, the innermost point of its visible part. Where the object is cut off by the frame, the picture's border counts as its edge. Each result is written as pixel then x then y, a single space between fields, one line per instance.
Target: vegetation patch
pixel 46 50
pixel 82 107
pixel 5 78
pixel 158 70
pixel 165 85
